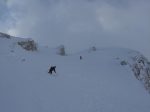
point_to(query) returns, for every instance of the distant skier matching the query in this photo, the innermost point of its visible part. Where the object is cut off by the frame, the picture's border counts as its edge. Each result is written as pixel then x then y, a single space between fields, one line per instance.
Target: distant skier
pixel 52 68
pixel 80 57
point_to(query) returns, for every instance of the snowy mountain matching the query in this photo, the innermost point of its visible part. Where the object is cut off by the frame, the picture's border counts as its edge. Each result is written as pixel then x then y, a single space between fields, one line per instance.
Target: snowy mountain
pixel 104 80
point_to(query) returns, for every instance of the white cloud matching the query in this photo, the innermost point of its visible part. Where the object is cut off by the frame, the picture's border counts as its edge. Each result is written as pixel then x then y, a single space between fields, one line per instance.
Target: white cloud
pixel 82 23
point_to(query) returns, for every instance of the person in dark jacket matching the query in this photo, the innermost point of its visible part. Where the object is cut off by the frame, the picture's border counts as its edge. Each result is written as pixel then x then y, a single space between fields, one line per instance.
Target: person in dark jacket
pixel 52 68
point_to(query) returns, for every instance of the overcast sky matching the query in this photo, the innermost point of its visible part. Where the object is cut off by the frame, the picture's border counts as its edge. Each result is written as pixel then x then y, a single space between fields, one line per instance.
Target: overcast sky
pixel 79 24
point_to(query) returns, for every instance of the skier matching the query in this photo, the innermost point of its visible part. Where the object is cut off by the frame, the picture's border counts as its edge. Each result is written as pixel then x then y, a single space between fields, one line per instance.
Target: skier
pixel 80 57
pixel 52 68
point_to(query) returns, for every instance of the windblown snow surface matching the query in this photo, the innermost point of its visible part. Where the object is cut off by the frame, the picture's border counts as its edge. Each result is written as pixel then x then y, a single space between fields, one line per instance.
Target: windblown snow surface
pixel 97 83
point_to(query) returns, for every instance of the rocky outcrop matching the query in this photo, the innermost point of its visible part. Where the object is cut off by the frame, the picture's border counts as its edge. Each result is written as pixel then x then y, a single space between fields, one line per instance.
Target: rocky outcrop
pixel 61 50
pixel 3 35
pixel 28 45
pixel 140 67
pixel 141 70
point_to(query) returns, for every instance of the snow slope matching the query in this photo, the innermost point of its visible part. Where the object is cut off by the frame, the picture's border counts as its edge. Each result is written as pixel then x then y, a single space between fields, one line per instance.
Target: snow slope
pixel 97 83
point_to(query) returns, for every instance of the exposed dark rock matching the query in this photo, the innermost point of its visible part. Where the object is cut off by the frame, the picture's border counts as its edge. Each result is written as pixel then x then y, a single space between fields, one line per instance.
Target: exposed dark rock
pixel 28 45
pixel 3 35
pixel 123 63
pixel 61 50
pixel 141 70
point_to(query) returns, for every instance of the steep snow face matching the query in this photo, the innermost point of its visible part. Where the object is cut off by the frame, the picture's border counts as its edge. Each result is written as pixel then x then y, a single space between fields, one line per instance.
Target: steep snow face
pixel 97 83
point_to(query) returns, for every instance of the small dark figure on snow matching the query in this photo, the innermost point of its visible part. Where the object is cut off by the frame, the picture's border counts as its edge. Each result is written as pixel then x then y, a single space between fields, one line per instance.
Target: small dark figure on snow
pixel 52 68
pixel 80 57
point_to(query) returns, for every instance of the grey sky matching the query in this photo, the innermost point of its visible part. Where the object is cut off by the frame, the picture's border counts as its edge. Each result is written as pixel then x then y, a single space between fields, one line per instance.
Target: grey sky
pixel 79 24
